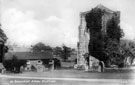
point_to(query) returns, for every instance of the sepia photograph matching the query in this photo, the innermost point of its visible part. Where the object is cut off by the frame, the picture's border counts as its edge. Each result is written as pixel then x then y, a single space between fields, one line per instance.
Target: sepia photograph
pixel 67 42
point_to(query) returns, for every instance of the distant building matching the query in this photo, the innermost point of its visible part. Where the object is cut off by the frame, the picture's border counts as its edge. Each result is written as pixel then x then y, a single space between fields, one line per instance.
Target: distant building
pixel 84 34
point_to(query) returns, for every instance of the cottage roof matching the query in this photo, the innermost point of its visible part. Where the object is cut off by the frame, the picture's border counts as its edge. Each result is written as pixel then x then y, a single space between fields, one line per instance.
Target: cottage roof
pixel 29 55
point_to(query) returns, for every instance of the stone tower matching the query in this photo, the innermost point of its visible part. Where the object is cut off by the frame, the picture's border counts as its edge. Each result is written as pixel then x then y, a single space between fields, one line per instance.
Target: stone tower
pixel 84 34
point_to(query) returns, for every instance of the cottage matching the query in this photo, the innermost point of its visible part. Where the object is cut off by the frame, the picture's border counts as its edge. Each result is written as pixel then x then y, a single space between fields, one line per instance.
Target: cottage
pixel 32 61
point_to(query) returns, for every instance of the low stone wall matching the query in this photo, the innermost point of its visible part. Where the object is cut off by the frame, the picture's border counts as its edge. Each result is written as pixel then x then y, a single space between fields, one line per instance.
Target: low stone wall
pixel 94 65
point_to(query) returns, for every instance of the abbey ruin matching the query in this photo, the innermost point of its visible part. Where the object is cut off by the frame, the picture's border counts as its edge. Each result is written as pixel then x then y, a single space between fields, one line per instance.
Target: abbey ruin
pixel 91 38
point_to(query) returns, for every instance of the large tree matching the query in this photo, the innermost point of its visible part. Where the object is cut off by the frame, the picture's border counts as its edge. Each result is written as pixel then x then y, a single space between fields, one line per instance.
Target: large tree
pixel 111 41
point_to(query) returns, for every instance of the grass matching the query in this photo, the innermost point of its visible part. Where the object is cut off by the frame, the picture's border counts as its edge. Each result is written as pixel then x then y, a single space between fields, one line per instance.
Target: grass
pixel 68 72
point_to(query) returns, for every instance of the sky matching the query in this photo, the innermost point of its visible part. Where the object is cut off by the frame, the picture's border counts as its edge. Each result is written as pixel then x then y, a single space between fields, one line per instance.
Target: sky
pixel 55 22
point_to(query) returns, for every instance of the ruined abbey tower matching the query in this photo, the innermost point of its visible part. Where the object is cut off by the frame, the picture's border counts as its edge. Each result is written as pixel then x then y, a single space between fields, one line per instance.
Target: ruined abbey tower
pixel 87 35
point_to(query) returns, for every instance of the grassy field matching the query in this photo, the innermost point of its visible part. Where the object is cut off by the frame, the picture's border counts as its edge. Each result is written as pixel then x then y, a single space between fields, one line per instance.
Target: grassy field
pixel 69 76
pixel 72 73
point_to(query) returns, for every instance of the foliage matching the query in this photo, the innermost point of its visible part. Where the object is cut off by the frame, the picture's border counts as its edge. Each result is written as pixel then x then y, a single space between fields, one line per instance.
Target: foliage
pixel 94 25
pixel 40 47
pixel 66 52
pixel 112 46
pixel 14 64
pixel 113 29
pixel 3 35
pixel 3 39
pixel 114 53
pixel 104 45
pixel 94 20
pixel 57 63
pixel 62 52
pixel 57 51
pixel 128 47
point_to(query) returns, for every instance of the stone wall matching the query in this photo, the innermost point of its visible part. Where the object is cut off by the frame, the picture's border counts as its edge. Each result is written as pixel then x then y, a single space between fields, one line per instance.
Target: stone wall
pixel 83 40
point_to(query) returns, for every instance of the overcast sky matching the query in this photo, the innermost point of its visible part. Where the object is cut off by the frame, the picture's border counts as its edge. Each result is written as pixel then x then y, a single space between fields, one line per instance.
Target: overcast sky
pixel 55 22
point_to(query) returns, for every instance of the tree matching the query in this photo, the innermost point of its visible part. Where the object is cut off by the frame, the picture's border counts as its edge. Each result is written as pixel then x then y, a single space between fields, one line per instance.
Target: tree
pixel 94 25
pixel 112 46
pixel 14 64
pixel 128 47
pixel 40 47
pixel 66 52
pixel 114 53
pixel 113 29
pixel 57 51
pixel 2 35
pixel 3 39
